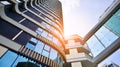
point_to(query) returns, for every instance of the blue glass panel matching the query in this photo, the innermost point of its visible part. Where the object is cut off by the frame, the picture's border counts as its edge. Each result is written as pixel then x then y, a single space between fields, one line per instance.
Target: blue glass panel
pixel 39 31
pixel 8 59
pixel 39 47
pixel 114 22
pixel 106 36
pixel 95 46
pixel 30 46
pixel 34 40
pixel 45 53
pixel 47 47
pixel 20 59
pixel 44 34
pixel 53 54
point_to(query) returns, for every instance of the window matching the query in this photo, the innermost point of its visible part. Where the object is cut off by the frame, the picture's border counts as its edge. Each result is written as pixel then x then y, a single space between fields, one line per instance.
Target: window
pixel 33 9
pixel 95 46
pixel 114 22
pixel 39 31
pixel 50 37
pixel 30 46
pixel 18 60
pixel 106 36
pixel 8 30
pixel 34 40
pixel 23 38
pixel 8 59
pixel 12 13
pixel 47 48
pixel 39 47
pixel 45 53
pixel 44 34
pixel 53 54
pixel 29 24
pixel 33 16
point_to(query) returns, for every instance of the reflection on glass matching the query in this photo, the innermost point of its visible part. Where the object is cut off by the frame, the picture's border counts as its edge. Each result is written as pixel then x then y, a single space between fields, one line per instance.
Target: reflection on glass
pixel 8 59
pixel 34 40
pixel 53 54
pixel 95 46
pixel 45 53
pixel 39 31
pixel 47 47
pixel 114 22
pixel 30 46
pixel 20 59
pixel 39 47
pixel 44 34
pixel 106 36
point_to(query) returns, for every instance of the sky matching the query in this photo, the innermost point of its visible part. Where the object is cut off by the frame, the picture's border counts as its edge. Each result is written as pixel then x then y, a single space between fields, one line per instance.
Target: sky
pixel 112 58
pixel 80 16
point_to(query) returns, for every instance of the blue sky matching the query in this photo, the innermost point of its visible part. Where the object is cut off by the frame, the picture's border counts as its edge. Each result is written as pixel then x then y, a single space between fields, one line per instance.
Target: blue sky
pixel 80 16
pixel 112 58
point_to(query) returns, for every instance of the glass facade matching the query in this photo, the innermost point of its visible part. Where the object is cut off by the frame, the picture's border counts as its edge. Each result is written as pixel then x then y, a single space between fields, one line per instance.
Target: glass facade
pixel 11 59
pixel 114 23
pixel 106 35
pixel 34 30
pixel 30 15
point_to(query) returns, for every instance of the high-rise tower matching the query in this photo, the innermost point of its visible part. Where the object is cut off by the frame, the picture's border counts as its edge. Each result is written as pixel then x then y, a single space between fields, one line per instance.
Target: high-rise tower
pixel 31 33
pixel 103 42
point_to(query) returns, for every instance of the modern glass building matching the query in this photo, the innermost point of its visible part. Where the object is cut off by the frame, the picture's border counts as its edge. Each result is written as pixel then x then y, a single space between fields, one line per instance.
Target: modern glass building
pixel 31 33
pixel 104 39
pixel 110 65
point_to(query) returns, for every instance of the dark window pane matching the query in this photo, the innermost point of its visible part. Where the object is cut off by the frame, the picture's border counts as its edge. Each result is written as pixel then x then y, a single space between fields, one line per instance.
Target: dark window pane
pixel 21 7
pixel 26 64
pixel 40 9
pixel 30 25
pixel 33 9
pixel 23 38
pixel 33 16
pixel 12 14
pixel 8 30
